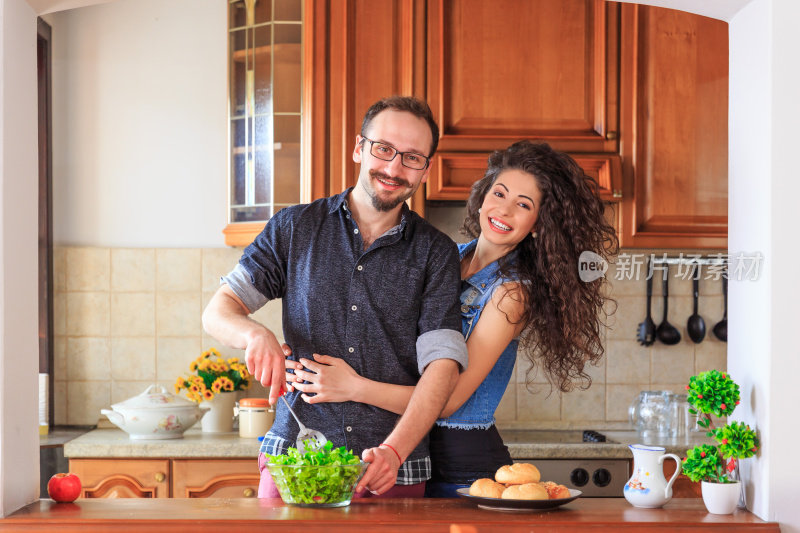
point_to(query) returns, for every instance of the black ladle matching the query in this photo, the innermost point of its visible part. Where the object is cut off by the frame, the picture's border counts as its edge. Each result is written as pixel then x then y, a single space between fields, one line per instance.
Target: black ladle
pixel 666 332
pixel 696 326
pixel 647 328
pixel 721 329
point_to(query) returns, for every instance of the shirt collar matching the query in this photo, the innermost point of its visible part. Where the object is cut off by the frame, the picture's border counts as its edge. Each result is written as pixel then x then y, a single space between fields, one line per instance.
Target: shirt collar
pixel 340 202
pixel 484 279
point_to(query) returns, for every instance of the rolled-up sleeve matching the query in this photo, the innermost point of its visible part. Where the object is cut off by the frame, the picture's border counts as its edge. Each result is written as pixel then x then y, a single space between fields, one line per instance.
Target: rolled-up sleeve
pixel 241 283
pixel 441 344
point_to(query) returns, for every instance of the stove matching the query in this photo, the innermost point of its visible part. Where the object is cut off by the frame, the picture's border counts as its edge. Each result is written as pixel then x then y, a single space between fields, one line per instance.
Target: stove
pixel 595 478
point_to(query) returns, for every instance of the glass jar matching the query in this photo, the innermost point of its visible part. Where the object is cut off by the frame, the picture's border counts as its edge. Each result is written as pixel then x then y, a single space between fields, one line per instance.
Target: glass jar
pixel 255 417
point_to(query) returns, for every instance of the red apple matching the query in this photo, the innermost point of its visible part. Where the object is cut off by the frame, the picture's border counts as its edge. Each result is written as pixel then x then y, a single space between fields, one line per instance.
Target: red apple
pixel 64 487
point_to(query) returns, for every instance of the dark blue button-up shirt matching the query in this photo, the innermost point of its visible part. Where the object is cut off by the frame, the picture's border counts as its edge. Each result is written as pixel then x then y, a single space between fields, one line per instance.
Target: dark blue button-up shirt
pixel 388 311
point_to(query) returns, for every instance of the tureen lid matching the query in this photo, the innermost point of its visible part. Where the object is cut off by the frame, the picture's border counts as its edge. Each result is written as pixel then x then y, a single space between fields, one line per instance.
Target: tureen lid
pixel 154 397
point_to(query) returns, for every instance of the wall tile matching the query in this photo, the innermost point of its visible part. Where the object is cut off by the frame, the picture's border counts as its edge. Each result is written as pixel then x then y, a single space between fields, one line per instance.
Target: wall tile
pixel 84 401
pixel 133 359
pixel 133 314
pixel 122 390
pixel 173 355
pixel 217 262
pixel 59 313
pixel 711 354
pixel 587 404
pixel 672 364
pixel 59 268
pixel 60 357
pixel 88 269
pixel 623 324
pixel 271 316
pixel 178 269
pixel 88 313
pixel 628 362
pixel 133 269
pixel 60 402
pixel 537 404
pixel 88 358
pixel 178 314
pixel 619 398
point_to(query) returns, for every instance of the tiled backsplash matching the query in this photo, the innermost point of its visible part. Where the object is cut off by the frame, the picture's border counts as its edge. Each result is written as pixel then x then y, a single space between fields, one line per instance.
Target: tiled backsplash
pixel 126 318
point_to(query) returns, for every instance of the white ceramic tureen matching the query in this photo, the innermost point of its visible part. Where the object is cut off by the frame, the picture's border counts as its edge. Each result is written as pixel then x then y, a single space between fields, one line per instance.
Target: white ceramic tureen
pixel 155 414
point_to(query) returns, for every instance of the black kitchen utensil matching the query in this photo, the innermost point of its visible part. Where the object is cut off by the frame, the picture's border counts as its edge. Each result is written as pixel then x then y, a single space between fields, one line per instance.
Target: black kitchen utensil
pixel 696 326
pixel 666 332
pixel 646 334
pixel 721 329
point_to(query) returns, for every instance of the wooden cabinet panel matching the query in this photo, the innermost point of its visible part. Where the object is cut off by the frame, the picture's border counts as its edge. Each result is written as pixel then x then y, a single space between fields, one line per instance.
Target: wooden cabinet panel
pixel 452 174
pixel 683 486
pixel 215 478
pixel 675 138
pixel 375 49
pixel 122 478
pixel 506 70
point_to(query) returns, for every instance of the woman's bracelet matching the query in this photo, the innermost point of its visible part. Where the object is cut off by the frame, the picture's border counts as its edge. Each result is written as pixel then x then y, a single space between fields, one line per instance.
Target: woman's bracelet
pixel 395 451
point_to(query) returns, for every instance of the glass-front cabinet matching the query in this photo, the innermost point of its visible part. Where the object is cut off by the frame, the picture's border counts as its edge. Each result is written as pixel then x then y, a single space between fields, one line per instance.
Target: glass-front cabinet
pixel 265 110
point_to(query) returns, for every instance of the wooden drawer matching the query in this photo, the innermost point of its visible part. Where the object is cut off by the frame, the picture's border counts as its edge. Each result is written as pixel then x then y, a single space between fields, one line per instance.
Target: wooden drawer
pixel 215 478
pixel 123 478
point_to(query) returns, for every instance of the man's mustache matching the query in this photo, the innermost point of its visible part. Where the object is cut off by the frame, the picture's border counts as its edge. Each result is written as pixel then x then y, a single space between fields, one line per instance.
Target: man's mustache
pixel 380 175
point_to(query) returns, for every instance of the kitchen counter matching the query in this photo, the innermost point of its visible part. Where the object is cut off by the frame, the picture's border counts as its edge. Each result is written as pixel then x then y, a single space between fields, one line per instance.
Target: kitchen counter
pixel 373 515
pixel 523 444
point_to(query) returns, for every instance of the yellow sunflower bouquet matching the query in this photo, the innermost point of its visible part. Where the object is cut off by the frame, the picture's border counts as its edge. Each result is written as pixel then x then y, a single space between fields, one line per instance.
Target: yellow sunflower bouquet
pixel 213 374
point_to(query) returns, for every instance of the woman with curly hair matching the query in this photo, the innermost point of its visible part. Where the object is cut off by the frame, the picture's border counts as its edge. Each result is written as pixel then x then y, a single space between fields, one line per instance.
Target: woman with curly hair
pixel 531 216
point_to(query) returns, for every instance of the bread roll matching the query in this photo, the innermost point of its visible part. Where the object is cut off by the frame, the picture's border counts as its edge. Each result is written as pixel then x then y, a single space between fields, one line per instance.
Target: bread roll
pixel 486 488
pixel 526 491
pixel 555 491
pixel 517 474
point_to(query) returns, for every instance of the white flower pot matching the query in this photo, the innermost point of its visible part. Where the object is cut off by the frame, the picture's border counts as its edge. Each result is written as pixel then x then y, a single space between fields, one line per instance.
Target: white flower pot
pixel 219 419
pixel 721 498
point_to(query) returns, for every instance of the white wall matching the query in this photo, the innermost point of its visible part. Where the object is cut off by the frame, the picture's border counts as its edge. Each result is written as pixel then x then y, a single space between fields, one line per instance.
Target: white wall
pixel 19 348
pixel 140 124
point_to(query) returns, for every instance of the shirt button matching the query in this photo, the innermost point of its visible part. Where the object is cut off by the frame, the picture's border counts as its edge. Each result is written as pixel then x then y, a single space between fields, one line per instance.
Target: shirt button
pixel 464 308
pixel 348 216
pixel 348 428
pixel 351 349
pixel 354 308
pixel 355 231
pixel 483 285
pixel 359 268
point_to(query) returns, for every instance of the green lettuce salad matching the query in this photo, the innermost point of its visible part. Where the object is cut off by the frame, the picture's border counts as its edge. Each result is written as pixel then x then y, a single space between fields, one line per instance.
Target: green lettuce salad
pixel 326 476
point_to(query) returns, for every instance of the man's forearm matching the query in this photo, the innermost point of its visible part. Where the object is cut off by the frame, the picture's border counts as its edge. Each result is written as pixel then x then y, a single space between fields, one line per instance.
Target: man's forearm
pixel 226 319
pixel 429 398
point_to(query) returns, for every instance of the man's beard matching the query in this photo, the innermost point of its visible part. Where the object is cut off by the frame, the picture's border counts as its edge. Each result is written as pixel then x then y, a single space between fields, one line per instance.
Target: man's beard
pixel 387 205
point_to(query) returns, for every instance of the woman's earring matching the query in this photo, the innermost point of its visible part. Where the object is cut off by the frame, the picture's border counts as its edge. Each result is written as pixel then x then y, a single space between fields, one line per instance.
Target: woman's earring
pixel 479 210
pixel 534 234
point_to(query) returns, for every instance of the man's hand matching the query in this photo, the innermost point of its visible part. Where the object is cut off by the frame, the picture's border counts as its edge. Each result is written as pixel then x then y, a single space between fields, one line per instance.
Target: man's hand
pixel 381 474
pixel 266 361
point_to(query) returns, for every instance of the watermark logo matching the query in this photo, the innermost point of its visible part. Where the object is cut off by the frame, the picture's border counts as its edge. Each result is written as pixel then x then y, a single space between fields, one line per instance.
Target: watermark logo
pixel 591 266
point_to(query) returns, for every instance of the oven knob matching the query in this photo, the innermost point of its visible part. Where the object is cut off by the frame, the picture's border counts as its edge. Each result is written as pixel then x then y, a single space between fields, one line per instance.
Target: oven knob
pixel 601 477
pixel 579 477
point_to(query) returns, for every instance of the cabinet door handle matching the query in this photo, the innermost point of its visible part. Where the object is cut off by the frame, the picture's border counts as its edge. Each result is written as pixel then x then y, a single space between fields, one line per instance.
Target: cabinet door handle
pixel 248 492
pixel 160 477
pixel 611 136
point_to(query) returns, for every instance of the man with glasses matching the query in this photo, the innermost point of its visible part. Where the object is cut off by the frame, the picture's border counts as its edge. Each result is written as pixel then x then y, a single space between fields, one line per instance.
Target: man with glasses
pixel 363 278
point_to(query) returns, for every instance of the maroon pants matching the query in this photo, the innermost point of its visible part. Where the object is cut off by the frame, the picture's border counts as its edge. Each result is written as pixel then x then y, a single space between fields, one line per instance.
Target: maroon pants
pixel 267 488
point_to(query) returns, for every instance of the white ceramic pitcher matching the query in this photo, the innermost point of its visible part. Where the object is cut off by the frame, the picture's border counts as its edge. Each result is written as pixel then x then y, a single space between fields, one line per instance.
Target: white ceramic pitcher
pixel 647 487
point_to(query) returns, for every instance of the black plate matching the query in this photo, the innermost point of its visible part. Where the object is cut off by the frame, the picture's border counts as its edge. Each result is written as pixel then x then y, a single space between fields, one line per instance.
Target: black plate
pixel 498 504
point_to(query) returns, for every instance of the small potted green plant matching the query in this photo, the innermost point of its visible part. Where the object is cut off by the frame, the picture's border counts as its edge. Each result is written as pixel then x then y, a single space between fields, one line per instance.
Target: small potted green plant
pixel 716 467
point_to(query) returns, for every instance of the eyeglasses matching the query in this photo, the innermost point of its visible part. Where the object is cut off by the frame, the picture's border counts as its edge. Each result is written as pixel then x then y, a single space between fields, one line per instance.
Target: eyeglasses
pixel 387 153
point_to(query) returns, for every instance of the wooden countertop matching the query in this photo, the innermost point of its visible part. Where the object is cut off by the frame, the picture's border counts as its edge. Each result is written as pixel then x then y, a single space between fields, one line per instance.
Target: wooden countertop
pixel 368 515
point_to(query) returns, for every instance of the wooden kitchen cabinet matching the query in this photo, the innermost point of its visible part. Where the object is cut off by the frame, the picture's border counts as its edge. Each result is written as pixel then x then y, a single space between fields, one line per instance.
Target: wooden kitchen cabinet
pixel 123 478
pixel 683 486
pixel 167 478
pixel 674 117
pixel 215 478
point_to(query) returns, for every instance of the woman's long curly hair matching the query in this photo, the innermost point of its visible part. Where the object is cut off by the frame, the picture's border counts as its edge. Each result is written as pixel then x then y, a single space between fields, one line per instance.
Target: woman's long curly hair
pixel 563 314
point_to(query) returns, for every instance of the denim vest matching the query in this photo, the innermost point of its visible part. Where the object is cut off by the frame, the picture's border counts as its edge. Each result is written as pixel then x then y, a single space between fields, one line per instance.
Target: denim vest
pixel 478 411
